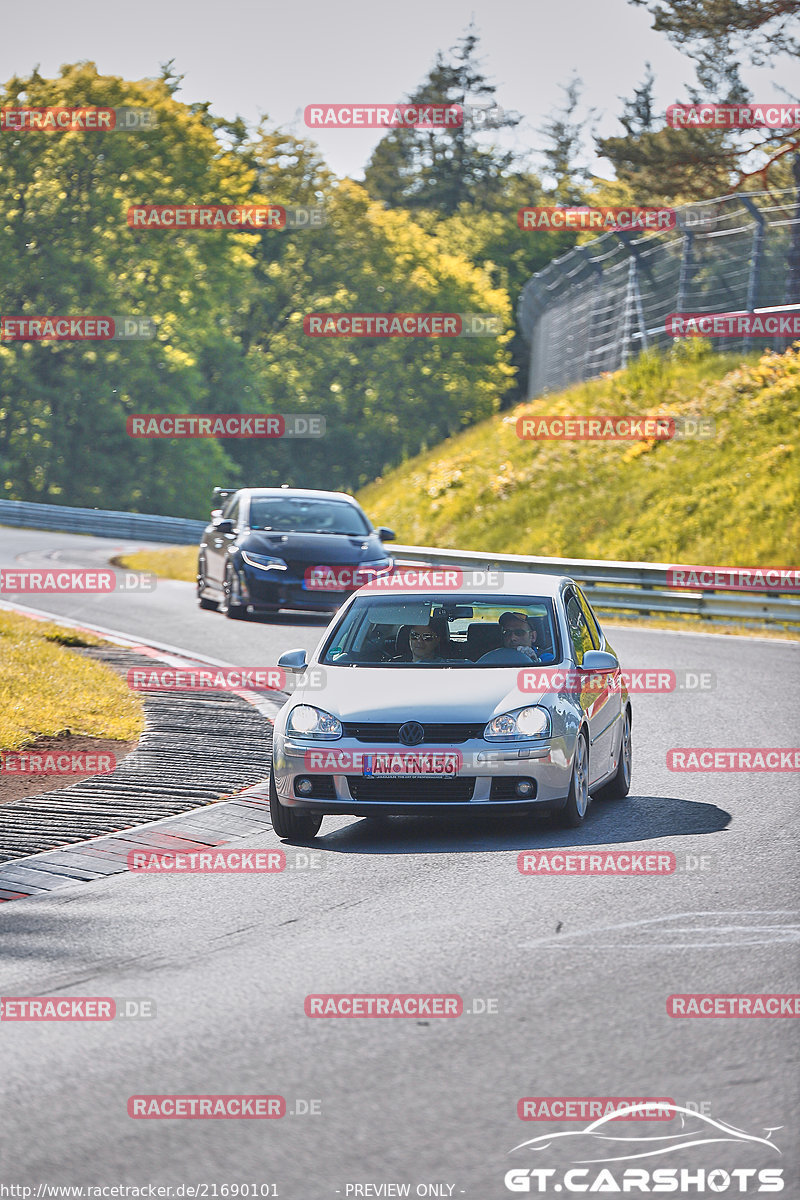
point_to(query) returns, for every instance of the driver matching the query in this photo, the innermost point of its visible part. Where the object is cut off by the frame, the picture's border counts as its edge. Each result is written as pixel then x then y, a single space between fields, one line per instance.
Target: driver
pixel 517 633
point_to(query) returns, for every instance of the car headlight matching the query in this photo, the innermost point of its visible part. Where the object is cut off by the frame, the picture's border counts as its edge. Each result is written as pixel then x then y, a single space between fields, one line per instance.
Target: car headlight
pixel 309 722
pixel 532 722
pixel 376 566
pixel 263 562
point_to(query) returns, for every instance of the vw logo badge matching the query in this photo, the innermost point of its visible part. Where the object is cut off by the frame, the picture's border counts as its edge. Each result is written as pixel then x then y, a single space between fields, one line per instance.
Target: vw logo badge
pixel 411 734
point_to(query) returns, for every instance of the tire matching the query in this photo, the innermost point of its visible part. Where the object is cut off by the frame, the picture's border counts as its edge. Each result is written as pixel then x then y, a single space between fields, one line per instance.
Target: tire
pixel 292 824
pixel 573 812
pixel 619 785
pixel 232 607
pixel 202 600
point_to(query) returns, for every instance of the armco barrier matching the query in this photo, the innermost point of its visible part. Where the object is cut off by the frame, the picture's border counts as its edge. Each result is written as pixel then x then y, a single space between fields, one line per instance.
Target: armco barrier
pixel 613 587
pixel 99 522
pixel 618 587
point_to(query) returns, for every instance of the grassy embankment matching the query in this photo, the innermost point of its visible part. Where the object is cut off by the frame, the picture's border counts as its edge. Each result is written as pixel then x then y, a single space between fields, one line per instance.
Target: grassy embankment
pixel 727 501
pixel 48 690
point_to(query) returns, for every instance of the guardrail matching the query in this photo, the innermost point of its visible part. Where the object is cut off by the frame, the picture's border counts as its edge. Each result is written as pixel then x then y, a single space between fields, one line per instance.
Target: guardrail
pixel 612 587
pixel 100 522
pixel 619 587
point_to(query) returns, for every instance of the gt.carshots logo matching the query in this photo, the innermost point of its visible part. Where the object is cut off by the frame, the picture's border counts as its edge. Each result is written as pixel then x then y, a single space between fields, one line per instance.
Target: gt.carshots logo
pixel 736 758
pixel 550 217
pixel 390 1004
pixel 207 216
pixel 596 1172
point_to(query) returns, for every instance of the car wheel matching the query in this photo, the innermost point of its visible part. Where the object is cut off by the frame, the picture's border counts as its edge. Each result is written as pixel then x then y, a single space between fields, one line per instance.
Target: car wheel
pixel 618 787
pixel 202 600
pixel 232 604
pixel 293 824
pixel 574 810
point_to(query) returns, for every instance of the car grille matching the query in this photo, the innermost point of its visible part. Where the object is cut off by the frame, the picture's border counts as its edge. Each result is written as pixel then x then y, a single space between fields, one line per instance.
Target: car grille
pixel 411 791
pixel 436 732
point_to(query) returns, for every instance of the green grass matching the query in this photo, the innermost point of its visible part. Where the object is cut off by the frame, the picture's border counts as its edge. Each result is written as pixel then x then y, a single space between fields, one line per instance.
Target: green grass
pixel 173 562
pixel 732 500
pixel 46 689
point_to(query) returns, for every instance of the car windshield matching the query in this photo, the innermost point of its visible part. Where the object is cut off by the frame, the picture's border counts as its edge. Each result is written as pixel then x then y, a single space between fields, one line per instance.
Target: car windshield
pixel 442 631
pixel 290 514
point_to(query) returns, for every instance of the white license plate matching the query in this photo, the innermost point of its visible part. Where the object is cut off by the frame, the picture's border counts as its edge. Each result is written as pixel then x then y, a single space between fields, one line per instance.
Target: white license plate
pixel 441 764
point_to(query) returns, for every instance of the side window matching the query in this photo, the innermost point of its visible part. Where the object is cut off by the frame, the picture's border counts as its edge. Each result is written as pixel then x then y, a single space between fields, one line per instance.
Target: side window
pixel 578 628
pixel 591 621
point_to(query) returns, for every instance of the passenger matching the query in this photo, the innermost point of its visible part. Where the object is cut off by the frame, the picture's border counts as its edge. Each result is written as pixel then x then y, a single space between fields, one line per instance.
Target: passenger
pixel 427 643
pixel 517 634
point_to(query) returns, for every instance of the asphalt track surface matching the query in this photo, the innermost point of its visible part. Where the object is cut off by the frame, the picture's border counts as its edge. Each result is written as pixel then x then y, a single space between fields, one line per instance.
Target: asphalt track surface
pixel 579 969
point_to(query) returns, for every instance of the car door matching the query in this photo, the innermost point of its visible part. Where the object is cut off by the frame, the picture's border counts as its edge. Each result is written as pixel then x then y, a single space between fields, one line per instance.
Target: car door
pixel 219 540
pixel 595 700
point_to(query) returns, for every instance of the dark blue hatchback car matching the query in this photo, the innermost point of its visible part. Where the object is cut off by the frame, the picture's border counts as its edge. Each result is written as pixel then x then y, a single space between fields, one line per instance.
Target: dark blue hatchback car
pixel 272 548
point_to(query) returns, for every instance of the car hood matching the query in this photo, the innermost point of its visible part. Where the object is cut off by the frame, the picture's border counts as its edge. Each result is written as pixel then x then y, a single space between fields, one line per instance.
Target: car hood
pixel 422 694
pixel 316 549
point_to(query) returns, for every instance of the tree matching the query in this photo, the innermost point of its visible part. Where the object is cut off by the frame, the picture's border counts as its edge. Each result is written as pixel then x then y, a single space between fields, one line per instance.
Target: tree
pixel 564 134
pixel 442 169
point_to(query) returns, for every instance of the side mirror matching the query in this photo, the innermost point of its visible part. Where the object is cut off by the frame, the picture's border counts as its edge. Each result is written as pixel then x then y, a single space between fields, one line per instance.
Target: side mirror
pixel 216 513
pixel 386 534
pixel 293 660
pixel 224 526
pixel 599 660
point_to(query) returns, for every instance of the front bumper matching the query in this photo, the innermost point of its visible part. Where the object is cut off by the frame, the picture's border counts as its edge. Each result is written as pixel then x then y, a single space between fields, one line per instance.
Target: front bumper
pixel 270 590
pixel 484 781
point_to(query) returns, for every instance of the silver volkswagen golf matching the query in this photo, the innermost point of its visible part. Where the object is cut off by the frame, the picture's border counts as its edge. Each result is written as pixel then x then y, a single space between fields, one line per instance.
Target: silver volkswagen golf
pixel 429 695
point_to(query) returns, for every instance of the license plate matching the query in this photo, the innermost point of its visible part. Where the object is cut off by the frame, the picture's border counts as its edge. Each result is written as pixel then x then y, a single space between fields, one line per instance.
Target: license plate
pixel 401 764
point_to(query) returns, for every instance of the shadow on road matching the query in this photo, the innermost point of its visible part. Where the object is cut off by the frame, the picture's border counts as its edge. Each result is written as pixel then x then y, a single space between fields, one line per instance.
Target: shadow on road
pixel 636 819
